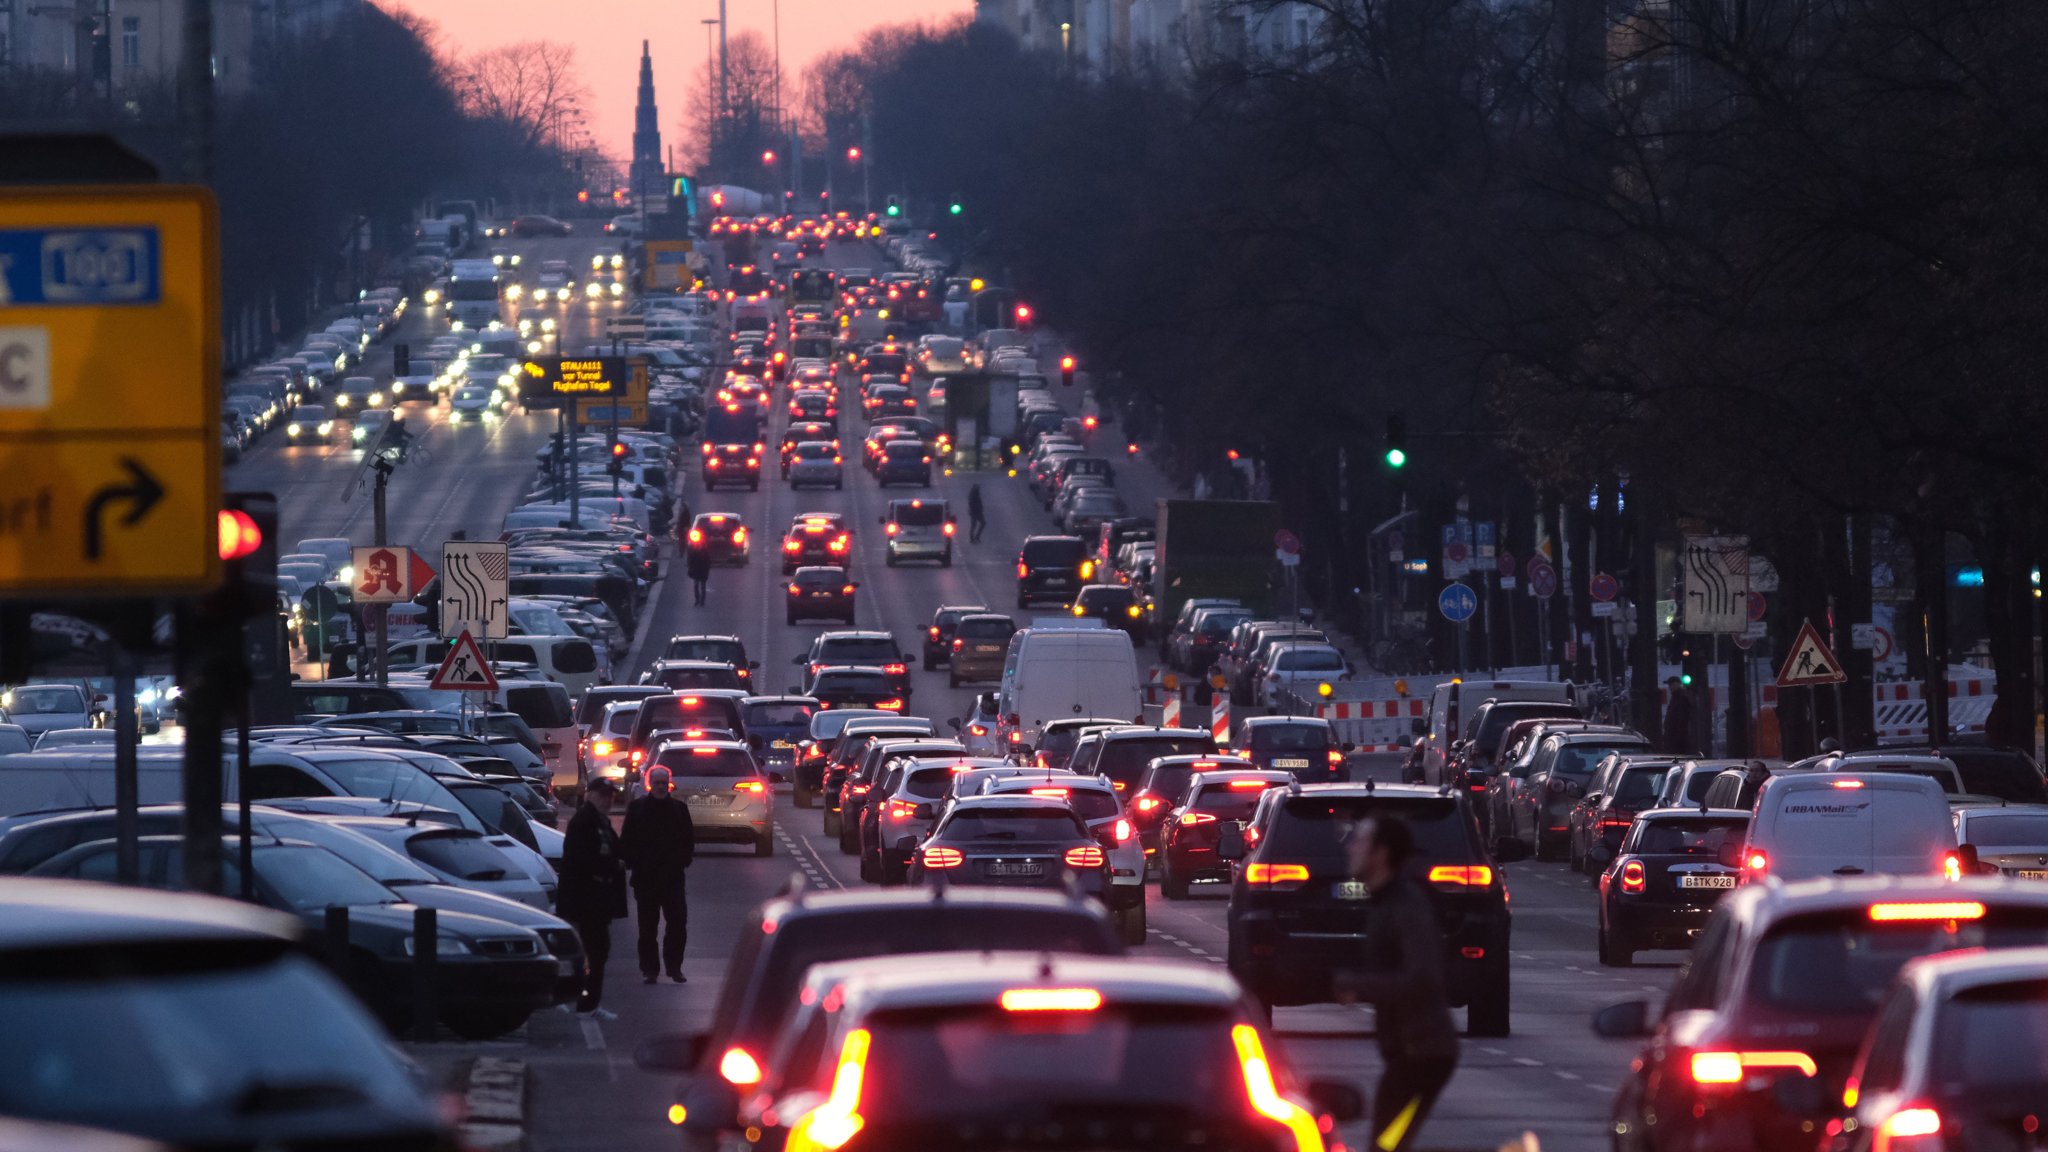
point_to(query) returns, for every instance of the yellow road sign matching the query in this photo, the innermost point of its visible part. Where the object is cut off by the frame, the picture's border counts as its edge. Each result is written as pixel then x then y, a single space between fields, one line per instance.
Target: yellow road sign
pixel 109 390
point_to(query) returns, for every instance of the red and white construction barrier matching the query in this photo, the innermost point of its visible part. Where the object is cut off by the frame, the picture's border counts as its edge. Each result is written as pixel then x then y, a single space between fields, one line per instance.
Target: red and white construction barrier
pixel 1219 719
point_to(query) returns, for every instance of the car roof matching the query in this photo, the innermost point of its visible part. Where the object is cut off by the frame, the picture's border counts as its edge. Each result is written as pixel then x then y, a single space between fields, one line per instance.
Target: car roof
pixel 1007 800
pixel 1675 814
pixel 967 978
pixel 1276 721
pixel 1943 975
pixel 1145 733
pixel 1768 903
pixel 855 634
pixel 1040 778
pixel 43 914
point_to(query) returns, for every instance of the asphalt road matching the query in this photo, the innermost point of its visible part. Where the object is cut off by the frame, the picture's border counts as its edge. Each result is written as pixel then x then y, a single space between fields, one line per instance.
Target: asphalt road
pixel 1551 1077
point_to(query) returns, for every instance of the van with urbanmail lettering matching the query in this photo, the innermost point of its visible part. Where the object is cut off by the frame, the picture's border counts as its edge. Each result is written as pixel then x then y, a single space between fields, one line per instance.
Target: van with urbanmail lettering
pixel 1838 825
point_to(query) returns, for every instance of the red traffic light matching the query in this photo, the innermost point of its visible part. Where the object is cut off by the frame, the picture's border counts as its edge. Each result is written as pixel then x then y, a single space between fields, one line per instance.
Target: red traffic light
pixel 853 154
pixel 1066 363
pixel 718 199
pixel 239 534
pixel 618 451
pixel 583 196
pixel 768 157
pixel 1023 313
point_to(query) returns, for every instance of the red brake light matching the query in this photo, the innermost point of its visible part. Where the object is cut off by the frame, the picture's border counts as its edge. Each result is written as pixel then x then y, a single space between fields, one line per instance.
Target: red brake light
pixel 1755 862
pixel 739 1067
pixel 1463 875
pixel 1731 1067
pixel 1911 1122
pixel 1276 875
pixel 1023 570
pixel 1088 856
pixel 1148 802
pixel 1250 784
pixel 1192 818
pixel 1121 832
pixel 1632 879
pixel 958 644
pixel 755 787
pixel 943 858
pixel 1927 910
pixel 1051 1000
pixel 890 705
pixel 891 669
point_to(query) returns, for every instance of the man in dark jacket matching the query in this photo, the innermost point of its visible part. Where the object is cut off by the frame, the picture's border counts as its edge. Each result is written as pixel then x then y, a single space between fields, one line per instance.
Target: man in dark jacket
pixel 697 563
pixel 1678 718
pixel 1402 977
pixel 658 843
pixel 593 886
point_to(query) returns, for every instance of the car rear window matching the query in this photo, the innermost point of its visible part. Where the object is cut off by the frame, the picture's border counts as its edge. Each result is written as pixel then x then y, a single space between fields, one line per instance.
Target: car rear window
pixel 464 857
pixel 938 1066
pixel 1842 962
pixel 1225 800
pixel 1320 828
pixel 903 449
pixel 1581 759
pixel 1989 1043
pixel 921 515
pixel 1106 596
pixel 703 648
pixel 681 678
pixel 928 783
pixel 1125 760
pixel 1638 787
pixel 779 714
pixel 1489 728
pixel 1289 738
pixel 682 711
pixel 1011 823
pixel 2006 775
pixel 707 763
pixel 1687 837
pixel 1170 783
pixel 972 629
pixel 857 650
pixel 1054 551
pixel 854 684
pixel 542 705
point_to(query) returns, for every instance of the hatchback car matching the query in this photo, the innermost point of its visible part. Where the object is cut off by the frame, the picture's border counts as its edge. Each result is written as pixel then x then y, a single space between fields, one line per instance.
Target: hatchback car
pixel 1664 882
pixel 1215 799
pixel 690 675
pixel 815 463
pixel 723 535
pixel 872 648
pixel 726 790
pixel 1013 841
pixel 1118 606
pixel 904 462
pixel 918 530
pixel 820 592
pixel 1099 808
pixel 854 686
pixel 980 643
pixel 814 540
pixel 309 424
pixel 1306 746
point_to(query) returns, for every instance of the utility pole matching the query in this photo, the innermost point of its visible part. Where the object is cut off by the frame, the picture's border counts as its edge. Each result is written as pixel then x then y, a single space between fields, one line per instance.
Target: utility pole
pixel 724 72
pixel 375 625
pixel 196 80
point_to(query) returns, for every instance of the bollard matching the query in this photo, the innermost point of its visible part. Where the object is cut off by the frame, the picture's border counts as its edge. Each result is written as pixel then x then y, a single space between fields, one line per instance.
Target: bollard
pixel 426 1006
pixel 337 941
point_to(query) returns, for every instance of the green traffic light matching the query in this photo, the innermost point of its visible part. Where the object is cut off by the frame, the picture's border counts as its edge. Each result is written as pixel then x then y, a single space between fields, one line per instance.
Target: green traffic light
pixel 895 211
pixel 1685 680
pixel 956 209
pixel 1396 458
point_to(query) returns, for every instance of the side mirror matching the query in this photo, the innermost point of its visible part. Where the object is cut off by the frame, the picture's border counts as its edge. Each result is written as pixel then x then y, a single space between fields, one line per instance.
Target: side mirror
pixel 799 661
pixel 1339 1101
pixel 1511 851
pixel 1230 842
pixel 1347 747
pixel 675 1053
pixel 954 723
pixel 753 664
pixel 1627 1020
pixel 1967 856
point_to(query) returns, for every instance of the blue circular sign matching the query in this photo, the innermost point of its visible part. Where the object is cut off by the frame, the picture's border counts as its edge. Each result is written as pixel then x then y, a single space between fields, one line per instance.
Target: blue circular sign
pixel 1457 603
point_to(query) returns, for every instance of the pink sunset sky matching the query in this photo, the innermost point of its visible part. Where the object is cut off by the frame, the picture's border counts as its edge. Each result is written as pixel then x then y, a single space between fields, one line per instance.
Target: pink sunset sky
pixel 607 34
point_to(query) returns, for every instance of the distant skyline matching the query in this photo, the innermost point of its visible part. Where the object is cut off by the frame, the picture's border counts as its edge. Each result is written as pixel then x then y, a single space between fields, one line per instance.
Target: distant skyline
pixel 607 34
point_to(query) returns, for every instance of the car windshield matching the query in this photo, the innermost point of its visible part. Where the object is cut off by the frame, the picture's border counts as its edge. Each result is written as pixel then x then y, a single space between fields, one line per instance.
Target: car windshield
pixel 1843 962
pixel 133 1041
pixel 1010 823
pixel 1289 738
pixel 1320 828
pixel 1687 837
pixel 932 1065
pixel 1310 660
pixel 305 877
pixel 1991 1045
pixel 1229 799
pixel 2008 830
pixel 707 763
pixel 49 700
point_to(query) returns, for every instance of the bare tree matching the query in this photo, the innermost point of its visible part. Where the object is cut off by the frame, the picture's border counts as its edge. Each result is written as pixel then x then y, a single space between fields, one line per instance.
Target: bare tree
pixel 531 86
pixel 731 139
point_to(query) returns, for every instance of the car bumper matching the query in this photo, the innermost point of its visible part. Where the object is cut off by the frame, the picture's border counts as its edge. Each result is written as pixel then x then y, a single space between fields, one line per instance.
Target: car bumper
pixel 1286 966
pixel 481 981
pixel 737 822
pixel 1658 925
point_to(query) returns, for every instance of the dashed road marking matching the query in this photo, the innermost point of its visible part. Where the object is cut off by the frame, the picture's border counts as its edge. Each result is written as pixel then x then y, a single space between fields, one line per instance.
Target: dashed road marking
pixel 593 1035
pixel 1528 1062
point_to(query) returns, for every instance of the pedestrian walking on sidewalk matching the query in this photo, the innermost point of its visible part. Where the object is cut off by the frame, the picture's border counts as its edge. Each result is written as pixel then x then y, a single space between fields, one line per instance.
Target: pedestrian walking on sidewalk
pixel 658 843
pixel 1402 976
pixel 977 516
pixel 593 885
pixel 698 564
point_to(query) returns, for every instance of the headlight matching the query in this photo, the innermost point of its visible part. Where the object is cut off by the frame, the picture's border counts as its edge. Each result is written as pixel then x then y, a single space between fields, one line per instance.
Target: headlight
pixel 562 294
pixel 533 346
pixel 618 289
pixel 397 386
pixel 514 291
pixel 376 399
pixel 547 324
pixel 593 289
pixel 455 417
pixel 597 262
pixel 326 427
pixel 358 432
pixel 341 401
pixel 432 296
pixel 291 429
pixel 507 380
pixel 618 261
pixel 498 258
pixel 455 325
pixel 443 946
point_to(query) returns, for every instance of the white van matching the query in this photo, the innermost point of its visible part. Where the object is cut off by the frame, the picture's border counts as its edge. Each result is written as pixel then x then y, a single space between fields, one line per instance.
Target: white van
pixel 1059 673
pixel 570 661
pixel 1451 704
pixel 1828 825
pixel 548 710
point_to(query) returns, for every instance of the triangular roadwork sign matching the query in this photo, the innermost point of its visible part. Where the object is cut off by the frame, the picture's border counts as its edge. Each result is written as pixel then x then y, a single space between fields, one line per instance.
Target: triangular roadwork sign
pixel 1810 663
pixel 465 669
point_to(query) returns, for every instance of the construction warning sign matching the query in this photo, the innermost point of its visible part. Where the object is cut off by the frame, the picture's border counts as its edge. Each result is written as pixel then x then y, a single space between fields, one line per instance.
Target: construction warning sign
pixel 1810 663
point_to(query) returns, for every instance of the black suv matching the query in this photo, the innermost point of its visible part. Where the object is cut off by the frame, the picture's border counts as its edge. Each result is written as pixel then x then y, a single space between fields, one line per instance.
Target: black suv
pixel 790 933
pixel 938 636
pixel 1296 909
pixel 1052 566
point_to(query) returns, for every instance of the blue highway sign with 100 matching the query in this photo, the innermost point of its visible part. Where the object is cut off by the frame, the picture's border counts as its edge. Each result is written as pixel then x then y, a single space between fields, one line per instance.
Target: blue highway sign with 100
pixel 96 267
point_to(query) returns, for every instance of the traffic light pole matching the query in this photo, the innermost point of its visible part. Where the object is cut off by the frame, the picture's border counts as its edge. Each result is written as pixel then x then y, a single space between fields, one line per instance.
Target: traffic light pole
pixel 378 614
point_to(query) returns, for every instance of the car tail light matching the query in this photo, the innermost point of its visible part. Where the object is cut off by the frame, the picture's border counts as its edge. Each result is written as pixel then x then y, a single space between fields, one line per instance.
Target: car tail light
pixel 893 528
pixel 754 787
pixel 1085 857
pixel 958 643
pixel 1461 875
pixel 1251 785
pixel 858 789
pixel 1278 876
pixel 1756 863
pixel 1058 792
pixel 1121 831
pixel 951 528
pixel 934 631
pixel 1613 821
pixel 1192 818
pixel 601 747
pixel 1632 879
pixel 891 669
pixel 1927 910
pixel 1087 569
pixel 696 535
pixel 792 545
pixel 1731 1067
pixel 1951 866
pixel 1023 570
pixel 1265 1098
pixel 739 1067
pixel 892 704
pixel 943 858
pixel 902 809
pixel 1910 1124
pixel 1336 757
pixel 637 756
pixel 1147 802
pixel 831 1124
pixel 1051 999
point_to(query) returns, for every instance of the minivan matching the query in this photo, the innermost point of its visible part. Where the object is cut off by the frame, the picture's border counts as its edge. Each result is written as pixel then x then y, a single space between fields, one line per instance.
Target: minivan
pixel 1067 672
pixel 919 530
pixel 1836 825
pixel 1450 703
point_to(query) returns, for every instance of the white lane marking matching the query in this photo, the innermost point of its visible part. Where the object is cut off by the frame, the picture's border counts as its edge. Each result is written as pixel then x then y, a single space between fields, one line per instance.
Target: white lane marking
pixel 1495 1051
pixel 1527 1062
pixel 593 1035
pixel 1561 1074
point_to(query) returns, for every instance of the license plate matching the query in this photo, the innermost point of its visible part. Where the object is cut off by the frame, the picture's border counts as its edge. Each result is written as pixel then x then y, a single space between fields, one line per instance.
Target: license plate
pixel 712 800
pixel 1016 868
pixel 986 649
pixel 1055 580
pixel 2031 874
pixel 821 595
pixel 1348 890
pixel 1706 881
pixel 1290 763
pixel 566 967
pixel 781 744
